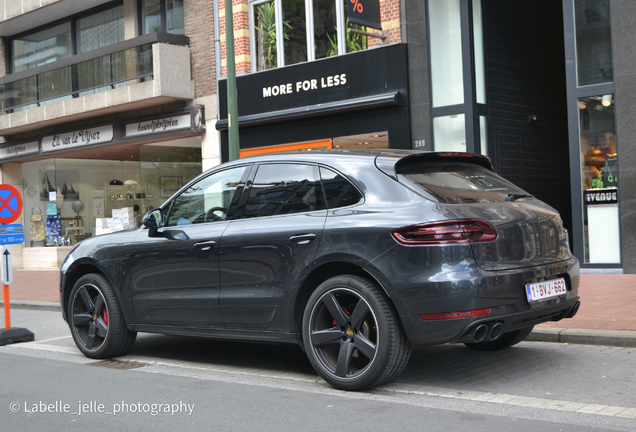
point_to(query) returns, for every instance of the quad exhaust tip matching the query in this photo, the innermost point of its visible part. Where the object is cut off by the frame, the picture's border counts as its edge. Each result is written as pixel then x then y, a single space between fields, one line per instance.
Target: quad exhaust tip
pixel 484 332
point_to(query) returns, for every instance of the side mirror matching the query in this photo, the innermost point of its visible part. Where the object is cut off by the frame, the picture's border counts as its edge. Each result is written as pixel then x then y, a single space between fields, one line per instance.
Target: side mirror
pixel 153 220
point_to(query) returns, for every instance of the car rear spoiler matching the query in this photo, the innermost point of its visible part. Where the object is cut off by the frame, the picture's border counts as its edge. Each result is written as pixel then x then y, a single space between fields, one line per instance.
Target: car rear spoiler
pixel 390 167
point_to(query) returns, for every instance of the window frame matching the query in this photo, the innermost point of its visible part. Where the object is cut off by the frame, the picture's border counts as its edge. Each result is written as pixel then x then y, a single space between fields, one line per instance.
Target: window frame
pixel 309 31
pixel 242 206
pixel 324 190
pixel 233 210
pixel 164 17
pixel 70 19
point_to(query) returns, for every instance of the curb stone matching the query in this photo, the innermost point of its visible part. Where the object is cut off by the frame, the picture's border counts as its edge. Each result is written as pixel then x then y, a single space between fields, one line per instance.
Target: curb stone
pixel 618 338
pixel 34 305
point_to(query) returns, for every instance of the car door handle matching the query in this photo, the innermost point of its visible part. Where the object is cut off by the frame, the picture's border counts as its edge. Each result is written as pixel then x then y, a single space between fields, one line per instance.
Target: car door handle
pixel 206 245
pixel 302 238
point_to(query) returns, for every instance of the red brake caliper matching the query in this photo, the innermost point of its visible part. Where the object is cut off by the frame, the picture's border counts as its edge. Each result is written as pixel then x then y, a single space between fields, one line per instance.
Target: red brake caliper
pixel 346 311
pixel 105 315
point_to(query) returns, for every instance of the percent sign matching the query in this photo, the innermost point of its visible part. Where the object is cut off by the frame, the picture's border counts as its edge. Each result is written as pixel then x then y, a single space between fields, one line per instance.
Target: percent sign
pixel 357 6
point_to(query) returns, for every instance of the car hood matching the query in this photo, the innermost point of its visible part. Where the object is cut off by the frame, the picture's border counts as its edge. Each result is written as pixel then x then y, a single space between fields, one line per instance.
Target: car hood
pixel 530 233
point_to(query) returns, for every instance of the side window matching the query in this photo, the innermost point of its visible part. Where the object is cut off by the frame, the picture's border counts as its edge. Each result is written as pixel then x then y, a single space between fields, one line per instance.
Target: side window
pixel 280 189
pixel 338 191
pixel 208 200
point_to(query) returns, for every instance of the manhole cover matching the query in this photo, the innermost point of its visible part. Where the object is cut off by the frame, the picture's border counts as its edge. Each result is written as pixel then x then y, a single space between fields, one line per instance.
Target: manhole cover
pixel 116 364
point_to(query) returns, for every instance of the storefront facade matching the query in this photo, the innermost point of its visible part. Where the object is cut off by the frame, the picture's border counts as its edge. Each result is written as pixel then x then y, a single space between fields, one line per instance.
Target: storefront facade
pixel 103 114
pixel 330 104
pixel 536 86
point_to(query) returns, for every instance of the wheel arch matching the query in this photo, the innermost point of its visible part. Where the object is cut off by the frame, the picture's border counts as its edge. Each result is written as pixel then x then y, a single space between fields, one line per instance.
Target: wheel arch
pixel 323 272
pixel 72 276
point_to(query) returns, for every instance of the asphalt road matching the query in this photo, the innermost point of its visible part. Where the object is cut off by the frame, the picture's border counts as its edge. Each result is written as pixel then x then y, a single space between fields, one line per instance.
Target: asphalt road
pixel 169 383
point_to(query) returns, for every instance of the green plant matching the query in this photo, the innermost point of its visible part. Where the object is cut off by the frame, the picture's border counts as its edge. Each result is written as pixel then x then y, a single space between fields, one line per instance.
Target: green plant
pixel 266 30
pixel 355 42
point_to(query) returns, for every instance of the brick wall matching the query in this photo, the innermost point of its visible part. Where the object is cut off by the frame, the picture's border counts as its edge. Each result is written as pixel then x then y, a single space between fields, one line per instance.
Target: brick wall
pixel 241 18
pixel 199 27
pixel 389 10
pixel 390 16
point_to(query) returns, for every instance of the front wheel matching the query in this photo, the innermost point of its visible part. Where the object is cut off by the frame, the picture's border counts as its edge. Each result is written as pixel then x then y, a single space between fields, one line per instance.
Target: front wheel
pixel 506 340
pixel 352 335
pixel 95 319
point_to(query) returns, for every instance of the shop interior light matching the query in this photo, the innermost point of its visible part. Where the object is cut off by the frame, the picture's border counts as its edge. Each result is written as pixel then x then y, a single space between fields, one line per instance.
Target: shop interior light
pixel 607 100
pixel 582 105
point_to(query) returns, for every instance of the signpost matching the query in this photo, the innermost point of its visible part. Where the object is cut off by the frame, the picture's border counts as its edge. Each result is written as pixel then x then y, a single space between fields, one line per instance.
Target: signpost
pixel 10 210
pixel 365 13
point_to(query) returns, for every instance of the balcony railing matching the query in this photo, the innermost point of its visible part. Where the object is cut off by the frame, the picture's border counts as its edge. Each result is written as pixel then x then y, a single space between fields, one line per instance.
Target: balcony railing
pixel 92 72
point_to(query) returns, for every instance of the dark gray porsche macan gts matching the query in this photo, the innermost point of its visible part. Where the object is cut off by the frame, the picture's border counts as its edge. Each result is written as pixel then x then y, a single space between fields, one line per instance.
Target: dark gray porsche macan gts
pixel 356 256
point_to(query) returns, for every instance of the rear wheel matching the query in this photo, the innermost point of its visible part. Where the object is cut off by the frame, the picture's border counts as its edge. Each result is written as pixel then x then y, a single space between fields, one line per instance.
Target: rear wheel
pixel 506 340
pixel 352 335
pixel 95 319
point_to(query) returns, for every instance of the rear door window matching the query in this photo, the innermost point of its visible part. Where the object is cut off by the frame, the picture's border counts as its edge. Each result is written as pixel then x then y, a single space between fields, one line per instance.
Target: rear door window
pixel 459 183
pixel 280 189
pixel 339 192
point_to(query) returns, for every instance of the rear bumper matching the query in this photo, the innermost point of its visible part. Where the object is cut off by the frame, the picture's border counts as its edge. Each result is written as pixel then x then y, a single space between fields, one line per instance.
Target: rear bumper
pixel 461 330
pixel 502 292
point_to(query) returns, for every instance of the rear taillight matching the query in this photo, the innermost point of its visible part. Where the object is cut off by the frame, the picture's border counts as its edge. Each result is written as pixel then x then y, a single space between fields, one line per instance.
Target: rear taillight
pixel 454 315
pixel 446 232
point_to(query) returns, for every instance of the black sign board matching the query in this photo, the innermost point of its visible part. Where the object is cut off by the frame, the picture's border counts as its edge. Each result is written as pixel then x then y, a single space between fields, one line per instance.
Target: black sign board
pixel 365 13
pixel 601 196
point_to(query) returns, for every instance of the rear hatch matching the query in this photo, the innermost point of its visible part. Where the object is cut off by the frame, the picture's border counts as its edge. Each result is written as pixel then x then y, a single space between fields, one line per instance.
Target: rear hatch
pixel 529 232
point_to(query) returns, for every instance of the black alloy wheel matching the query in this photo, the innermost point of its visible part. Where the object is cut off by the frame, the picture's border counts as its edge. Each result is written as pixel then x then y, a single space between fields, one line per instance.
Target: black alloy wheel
pixel 352 335
pixel 95 319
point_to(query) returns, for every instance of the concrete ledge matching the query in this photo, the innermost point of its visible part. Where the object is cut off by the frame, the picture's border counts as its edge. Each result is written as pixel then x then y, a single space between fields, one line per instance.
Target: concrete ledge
pixel 34 305
pixel 620 338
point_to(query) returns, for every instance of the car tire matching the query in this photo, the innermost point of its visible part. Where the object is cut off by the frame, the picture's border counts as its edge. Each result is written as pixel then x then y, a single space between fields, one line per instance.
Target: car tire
pixel 506 340
pixel 95 318
pixel 352 335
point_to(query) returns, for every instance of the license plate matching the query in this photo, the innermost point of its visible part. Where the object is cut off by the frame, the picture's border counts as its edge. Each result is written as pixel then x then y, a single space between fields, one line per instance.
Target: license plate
pixel 546 289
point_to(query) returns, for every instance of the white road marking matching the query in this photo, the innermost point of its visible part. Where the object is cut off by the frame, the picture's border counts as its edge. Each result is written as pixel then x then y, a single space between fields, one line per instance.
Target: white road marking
pixel 395 387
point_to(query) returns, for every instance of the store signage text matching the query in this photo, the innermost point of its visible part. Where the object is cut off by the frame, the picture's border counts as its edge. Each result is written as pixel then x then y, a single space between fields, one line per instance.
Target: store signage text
pixel 601 196
pixel 19 149
pixel 158 125
pixel 77 138
pixel 305 85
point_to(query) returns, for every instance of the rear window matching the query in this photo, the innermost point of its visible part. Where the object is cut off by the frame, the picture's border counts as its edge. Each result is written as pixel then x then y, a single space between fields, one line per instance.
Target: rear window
pixel 458 183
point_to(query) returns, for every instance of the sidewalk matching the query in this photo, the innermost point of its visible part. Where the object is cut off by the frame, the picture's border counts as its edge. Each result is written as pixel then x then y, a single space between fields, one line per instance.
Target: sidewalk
pixel 607 315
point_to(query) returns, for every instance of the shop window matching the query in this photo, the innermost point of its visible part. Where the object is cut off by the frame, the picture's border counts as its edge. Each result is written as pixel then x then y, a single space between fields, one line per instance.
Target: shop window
pixel 162 15
pixel 295 28
pixel 446 52
pixel 325 28
pixel 479 53
pixel 593 42
pixel 449 133
pixel 66 200
pixel 280 189
pixel 302 30
pixel 265 35
pixel 483 135
pixel 88 31
pixel 599 175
